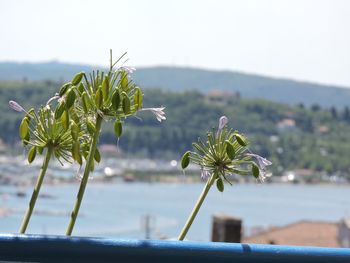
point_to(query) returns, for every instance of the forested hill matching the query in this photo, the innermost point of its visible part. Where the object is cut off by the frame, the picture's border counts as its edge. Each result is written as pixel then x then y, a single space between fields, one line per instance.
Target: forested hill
pixel 179 79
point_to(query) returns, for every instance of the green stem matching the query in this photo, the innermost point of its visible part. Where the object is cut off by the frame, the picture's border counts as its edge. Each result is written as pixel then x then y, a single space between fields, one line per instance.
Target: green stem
pixel 197 207
pixel 85 178
pixel 36 191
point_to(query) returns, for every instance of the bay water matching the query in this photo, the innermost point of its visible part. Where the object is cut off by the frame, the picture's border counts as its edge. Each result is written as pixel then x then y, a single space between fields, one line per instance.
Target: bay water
pixel 118 209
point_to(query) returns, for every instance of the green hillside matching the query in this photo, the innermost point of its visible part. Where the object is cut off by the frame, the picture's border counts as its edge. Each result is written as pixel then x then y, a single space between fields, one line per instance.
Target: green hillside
pixel 180 79
pixel 291 136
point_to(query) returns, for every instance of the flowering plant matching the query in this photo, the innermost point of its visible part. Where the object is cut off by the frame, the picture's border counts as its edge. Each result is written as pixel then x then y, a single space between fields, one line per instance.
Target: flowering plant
pixel 224 153
pixel 51 136
pixel 71 132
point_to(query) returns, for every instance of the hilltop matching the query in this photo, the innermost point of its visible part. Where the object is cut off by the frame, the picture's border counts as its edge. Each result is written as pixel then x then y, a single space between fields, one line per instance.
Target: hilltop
pixel 180 79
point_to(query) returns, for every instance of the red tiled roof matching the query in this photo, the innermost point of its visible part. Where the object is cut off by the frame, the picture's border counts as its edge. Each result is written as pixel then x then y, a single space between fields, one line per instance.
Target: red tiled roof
pixel 302 233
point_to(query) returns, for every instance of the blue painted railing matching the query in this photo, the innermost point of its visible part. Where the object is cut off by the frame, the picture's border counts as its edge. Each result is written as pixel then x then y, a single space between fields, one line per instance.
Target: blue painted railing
pixel 31 248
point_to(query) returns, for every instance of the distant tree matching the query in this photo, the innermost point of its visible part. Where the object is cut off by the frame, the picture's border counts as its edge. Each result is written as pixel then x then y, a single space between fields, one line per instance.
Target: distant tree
pixel 301 106
pixel 334 113
pixel 346 114
pixel 315 107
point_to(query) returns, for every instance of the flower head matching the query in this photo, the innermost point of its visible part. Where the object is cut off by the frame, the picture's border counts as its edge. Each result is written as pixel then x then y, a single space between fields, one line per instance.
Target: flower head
pixel 225 154
pixel 158 112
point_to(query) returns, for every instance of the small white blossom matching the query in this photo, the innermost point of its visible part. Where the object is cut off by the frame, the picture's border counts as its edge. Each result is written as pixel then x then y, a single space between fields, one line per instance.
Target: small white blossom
pixel 128 69
pixel 205 174
pixel 15 106
pixel 222 122
pixel 158 112
pixel 263 162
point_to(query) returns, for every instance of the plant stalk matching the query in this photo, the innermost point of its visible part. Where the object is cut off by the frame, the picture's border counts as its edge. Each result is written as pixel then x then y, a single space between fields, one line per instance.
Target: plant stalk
pixel 85 178
pixel 197 207
pixel 36 191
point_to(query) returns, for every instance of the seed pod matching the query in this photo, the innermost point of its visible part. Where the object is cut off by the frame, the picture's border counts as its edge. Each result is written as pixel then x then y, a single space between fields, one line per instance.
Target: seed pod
pixel 59 110
pixel 97 155
pixel 240 140
pixel 90 127
pixel 74 130
pixel 105 88
pixel 138 98
pixel 230 150
pixel 77 78
pixel 118 128
pixel 126 105
pixel 220 184
pixel 84 102
pixel 65 120
pixel 70 99
pixel 116 99
pixel 64 88
pixel 185 160
pixel 255 170
pixel 124 81
pixel 99 98
pixel 31 154
pixel 24 128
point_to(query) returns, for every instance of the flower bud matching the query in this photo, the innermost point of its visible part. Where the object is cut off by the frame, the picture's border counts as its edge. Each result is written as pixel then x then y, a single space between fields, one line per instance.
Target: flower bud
pixel 77 78
pixel 230 150
pixel 15 106
pixel 24 129
pixel 64 89
pixel 59 110
pixel 255 170
pixel 105 88
pixel 65 120
pixel 241 141
pixel 116 99
pixel 70 99
pixel 185 161
pixel 76 152
pixel 74 130
pixel 118 128
pixel 99 98
pixel 84 102
pixel 126 104
pixel 124 81
pixel 31 154
pixel 90 127
pixel 220 184
pixel 97 155
pixel 138 98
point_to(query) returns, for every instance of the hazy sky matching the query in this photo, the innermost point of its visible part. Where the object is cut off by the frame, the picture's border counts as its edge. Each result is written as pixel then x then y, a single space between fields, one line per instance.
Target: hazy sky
pixel 306 40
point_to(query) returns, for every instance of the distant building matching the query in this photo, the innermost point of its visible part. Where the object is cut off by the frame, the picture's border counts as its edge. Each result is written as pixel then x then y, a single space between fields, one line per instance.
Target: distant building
pixel 286 124
pixel 222 96
pixel 305 233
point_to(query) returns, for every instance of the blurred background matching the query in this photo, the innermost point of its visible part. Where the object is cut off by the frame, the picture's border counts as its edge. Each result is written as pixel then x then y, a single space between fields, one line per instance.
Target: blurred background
pixel 279 70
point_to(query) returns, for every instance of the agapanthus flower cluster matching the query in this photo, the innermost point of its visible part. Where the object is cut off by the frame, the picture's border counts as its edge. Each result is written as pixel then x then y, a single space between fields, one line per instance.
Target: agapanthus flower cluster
pixel 224 153
pixel 42 130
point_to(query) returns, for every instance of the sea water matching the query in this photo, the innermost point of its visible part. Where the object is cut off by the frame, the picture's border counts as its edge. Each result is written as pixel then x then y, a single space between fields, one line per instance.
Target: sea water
pixel 120 209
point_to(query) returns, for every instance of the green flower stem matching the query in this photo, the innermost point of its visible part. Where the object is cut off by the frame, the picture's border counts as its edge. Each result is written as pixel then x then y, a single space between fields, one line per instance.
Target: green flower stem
pixel 36 191
pixel 85 178
pixel 197 207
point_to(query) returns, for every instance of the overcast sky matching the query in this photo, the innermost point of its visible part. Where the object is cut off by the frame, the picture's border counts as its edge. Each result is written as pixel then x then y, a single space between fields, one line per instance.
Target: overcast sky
pixel 305 40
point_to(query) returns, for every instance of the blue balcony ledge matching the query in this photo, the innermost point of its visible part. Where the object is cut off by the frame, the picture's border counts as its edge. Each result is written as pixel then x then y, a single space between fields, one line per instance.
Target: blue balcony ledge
pixel 35 248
